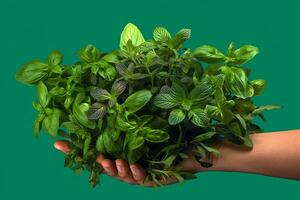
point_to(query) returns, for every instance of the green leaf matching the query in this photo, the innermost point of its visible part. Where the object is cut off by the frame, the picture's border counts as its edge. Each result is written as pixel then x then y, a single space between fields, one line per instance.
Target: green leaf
pixel 160 34
pixel 155 135
pixel 204 136
pixel 198 117
pixel 165 101
pixel 178 91
pixel 100 94
pixel 134 141
pixel 201 92
pixel 80 112
pixel 210 149
pixel 89 54
pixel 261 109
pixel 42 93
pixel 118 87
pixel 55 58
pixel 32 72
pixel 137 100
pixel 100 144
pixel 51 122
pixel 97 111
pixel 244 54
pixel 86 145
pixel 176 116
pixel 236 82
pixel 132 33
pixel 258 86
pixel 111 57
pixel 38 124
pixel 180 37
pixel 209 54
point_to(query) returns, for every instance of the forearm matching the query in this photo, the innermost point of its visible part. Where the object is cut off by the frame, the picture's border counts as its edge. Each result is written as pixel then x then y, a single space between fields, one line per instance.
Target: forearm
pixel 273 154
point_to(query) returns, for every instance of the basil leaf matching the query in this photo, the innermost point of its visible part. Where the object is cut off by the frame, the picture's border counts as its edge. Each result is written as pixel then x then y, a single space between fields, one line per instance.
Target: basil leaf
pixel 55 58
pixel 176 116
pixel 32 72
pixel 38 124
pixel 42 93
pixel 244 54
pixel 236 82
pixel 137 100
pixel 258 86
pixel 79 111
pixel 89 54
pixel 209 54
pixel 51 122
pixel 155 135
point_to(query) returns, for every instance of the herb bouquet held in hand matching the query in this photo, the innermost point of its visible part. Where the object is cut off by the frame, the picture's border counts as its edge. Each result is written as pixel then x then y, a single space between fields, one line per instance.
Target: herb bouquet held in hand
pixel 148 102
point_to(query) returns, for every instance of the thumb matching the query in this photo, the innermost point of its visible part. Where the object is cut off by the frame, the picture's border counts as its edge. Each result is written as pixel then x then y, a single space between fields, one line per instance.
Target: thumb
pixel 62 146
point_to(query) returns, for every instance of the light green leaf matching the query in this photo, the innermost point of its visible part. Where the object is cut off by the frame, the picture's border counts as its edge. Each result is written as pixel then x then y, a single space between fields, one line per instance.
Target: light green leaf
pixel 198 117
pixel 55 58
pixel 176 116
pixel 80 110
pixel 51 122
pixel 137 100
pixel 165 101
pixel 258 86
pixel 209 54
pixel 132 33
pixel 236 82
pixel 89 54
pixel 244 54
pixel 180 37
pixel 32 72
pixel 155 135
pixel 261 109
pixel 161 34
pixel 42 93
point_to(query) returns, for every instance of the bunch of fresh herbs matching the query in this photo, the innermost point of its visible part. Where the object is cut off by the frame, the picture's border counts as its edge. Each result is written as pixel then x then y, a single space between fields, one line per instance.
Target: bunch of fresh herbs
pixel 150 101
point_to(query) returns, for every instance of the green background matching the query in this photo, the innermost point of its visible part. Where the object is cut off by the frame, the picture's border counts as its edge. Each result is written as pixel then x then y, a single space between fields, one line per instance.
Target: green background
pixel 32 169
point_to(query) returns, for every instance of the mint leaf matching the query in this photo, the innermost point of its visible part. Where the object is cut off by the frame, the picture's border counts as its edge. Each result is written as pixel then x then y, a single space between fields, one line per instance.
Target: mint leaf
pixel 176 116
pixel 131 33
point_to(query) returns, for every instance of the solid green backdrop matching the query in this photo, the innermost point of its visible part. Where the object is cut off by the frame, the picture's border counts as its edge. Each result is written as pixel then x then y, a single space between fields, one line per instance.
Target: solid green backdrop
pixel 32 169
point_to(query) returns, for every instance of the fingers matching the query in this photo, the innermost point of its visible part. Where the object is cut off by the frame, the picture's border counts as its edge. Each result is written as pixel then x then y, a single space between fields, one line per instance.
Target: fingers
pixel 108 166
pixel 138 173
pixel 62 146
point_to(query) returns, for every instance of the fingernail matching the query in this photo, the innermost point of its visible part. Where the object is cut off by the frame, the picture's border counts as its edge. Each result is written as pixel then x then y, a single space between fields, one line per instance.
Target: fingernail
pixel 120 168
pixel 133 170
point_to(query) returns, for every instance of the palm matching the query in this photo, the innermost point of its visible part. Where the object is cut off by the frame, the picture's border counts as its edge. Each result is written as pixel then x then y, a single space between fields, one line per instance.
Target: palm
pixel 133 174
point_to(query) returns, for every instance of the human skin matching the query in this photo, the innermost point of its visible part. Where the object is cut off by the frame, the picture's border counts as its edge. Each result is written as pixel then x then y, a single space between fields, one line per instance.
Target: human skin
pixel 274 154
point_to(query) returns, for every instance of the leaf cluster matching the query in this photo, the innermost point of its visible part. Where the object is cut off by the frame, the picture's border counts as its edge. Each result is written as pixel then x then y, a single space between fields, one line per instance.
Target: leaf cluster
pixel 150 101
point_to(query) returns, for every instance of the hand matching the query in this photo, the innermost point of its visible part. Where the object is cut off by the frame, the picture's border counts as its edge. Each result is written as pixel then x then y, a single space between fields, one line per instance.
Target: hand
pixel 132 174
